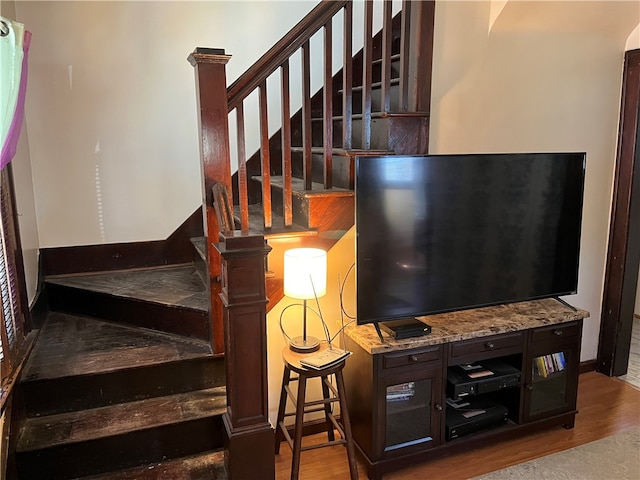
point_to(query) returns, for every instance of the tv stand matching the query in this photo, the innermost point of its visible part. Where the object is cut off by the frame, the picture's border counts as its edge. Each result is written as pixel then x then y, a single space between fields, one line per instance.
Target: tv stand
pixel 401 392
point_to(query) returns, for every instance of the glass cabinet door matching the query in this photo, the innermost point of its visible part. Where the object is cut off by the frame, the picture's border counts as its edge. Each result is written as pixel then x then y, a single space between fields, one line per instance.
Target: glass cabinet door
pixel 411 412
pixel 553 381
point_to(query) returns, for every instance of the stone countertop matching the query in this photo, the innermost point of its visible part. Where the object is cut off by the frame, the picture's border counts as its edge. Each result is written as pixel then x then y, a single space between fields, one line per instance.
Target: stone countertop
pixel 474 323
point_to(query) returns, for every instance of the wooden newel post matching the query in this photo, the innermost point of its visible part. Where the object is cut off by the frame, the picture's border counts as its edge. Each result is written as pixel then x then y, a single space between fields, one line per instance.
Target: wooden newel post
pixel 249 437
pixel 213 114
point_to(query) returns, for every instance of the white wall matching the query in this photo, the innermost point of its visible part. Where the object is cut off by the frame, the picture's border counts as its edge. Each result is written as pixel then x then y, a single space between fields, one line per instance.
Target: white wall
pixel 111 108
pixel 545 77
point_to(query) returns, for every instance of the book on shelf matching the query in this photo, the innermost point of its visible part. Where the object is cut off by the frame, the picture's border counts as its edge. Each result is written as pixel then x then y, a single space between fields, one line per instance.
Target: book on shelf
pixel 545 365
pixel 324 359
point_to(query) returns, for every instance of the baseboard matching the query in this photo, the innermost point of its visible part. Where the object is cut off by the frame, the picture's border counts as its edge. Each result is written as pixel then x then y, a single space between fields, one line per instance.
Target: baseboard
pixel 176 249
pixel 588 366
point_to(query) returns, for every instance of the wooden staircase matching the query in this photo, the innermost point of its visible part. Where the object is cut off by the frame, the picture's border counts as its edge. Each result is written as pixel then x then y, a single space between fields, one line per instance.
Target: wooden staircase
pixel 106 393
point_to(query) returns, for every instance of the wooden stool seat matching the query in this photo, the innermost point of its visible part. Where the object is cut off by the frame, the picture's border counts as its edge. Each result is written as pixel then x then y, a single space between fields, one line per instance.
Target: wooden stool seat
pixel 330 394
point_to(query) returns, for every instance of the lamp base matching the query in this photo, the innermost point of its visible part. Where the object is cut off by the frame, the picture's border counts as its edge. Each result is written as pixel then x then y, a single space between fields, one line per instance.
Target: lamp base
pixel 300 345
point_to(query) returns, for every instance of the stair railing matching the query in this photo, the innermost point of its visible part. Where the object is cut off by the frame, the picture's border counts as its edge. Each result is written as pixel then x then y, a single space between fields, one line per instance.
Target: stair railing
pixel 278 57
pixel 324 18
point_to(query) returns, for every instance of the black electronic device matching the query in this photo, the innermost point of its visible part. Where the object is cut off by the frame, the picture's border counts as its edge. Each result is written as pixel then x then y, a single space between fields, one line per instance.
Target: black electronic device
pixel 407 328
pixel 480 378
pixel 473 415
pixel 438 233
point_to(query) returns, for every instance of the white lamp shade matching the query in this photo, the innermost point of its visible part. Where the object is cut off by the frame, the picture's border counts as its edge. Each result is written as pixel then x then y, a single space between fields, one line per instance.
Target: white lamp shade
pixel 305 271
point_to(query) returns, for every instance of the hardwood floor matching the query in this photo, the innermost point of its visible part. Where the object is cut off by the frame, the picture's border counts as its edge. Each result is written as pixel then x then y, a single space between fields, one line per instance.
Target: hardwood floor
pixel 606 406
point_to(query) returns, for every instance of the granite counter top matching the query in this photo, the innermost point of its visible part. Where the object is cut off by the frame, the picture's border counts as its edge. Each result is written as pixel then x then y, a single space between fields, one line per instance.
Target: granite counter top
pixel 475 323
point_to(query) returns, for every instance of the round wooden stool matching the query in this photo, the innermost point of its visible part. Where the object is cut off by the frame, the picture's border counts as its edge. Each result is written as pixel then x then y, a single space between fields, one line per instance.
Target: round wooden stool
pixel 330 395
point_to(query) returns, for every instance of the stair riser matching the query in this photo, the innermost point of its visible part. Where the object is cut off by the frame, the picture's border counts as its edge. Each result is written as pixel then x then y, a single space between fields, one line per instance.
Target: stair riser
pixel 319 212
pixel 122 451
pixel 48 397
pixel 341 166
pixel 400 134
pixel 376 100
pixel 193 323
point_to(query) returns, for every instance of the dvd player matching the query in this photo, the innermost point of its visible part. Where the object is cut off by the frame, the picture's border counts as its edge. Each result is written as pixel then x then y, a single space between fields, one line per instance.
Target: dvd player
pixel 473 415
pixel 479 378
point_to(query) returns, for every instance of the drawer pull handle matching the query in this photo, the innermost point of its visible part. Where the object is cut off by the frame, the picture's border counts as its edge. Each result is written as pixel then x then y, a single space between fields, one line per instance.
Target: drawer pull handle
pixel 438 407
pixel 490 345
pixel 557 332
pixel 414 358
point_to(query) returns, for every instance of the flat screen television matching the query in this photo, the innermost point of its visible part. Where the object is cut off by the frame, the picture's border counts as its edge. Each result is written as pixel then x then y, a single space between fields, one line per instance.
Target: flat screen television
pixel 438 233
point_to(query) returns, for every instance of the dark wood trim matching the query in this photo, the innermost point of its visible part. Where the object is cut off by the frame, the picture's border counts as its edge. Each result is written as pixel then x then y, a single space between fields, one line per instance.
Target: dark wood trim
pixel 176 249
pixel 243 295
pixel 213 122
pixel 588 366
pixel 623 256
pixel 421 48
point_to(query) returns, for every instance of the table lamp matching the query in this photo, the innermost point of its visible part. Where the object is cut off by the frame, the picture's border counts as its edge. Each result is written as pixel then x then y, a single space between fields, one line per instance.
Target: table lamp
pixel 305 278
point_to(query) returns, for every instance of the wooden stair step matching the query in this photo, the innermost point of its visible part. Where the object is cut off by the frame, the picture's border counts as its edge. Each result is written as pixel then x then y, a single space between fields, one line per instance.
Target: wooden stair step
pixel 73 427
pixel 344 152
pixel 200 244
pixel 170 299
pixel 172 285
pixel 278 230
pixel 206 466
pixel 374 85
pixel 328 211
pixel 358 116
pixel 124 435
pixel 81 362
pixel 297 186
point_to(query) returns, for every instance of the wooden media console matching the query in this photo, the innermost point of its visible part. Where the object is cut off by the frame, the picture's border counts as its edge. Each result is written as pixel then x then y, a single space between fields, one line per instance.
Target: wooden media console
pixel 481 375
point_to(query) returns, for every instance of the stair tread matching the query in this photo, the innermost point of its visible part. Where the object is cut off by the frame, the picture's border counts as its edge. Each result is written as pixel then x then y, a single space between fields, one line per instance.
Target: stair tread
pixel 200 244
pixel 278 230
pixel 374 85
pixel 175 285
pixel 206 466
pixel 83 425
pixel 73 345
pixel 297 185
pixel 353 152
pixel 358 116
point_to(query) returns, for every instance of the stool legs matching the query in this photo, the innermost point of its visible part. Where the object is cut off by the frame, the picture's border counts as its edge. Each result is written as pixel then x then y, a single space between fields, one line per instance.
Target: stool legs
pixel 299 418
pixel 281 408
pixel 297 438
pixel 327 408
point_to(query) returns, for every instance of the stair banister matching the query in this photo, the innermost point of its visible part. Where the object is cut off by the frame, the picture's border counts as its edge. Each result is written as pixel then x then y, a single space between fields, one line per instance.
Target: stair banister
pixel 281 51
pixel 209 65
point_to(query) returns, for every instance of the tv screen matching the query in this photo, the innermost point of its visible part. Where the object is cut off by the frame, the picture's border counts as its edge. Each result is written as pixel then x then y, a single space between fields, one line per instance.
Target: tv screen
pixel 437 233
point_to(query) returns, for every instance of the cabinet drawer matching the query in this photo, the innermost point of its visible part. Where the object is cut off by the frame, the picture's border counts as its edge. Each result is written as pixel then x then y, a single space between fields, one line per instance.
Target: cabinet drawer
pixel 412 357
pixel 504 344
pixel 555 333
